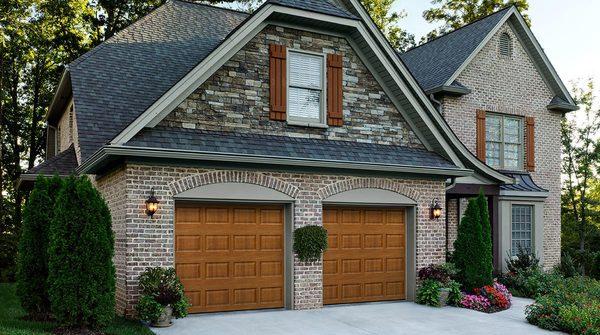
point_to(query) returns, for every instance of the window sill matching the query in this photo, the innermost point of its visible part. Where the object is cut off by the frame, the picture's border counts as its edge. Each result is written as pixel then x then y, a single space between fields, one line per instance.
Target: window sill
pixel 307 124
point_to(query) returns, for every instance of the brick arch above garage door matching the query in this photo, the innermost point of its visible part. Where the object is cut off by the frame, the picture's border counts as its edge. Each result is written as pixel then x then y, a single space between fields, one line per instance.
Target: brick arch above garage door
pixel 248 177
pixel 376 183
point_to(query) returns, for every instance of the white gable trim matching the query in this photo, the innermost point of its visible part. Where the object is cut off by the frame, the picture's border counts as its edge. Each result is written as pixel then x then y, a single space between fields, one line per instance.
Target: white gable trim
pixel 546 62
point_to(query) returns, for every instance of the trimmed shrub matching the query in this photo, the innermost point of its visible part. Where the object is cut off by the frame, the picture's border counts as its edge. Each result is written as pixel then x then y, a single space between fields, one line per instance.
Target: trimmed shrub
pixel 429 293
pixel 310 242
pixel 81 275
pixel 473 246
pixel 32 257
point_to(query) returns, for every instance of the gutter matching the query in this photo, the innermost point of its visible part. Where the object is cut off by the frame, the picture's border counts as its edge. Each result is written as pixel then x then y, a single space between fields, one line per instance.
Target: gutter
pixel 96 159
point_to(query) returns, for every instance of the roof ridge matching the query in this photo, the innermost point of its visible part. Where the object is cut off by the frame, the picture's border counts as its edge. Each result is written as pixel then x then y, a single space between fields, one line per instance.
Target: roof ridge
pixel 212 6
pixel 459 28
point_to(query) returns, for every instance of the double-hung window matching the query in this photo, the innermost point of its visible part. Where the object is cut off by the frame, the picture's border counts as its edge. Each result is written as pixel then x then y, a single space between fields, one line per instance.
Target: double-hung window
pixel 522 223
pixel 305 87
pixel 504 142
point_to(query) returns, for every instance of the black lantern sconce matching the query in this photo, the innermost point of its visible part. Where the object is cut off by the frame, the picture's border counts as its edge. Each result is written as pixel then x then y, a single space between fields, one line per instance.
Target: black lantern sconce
pixel 151 204
pixel 436 209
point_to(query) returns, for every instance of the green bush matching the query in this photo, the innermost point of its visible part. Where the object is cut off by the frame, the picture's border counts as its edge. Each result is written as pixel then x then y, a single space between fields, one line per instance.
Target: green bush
pixel 81 275
pixel 310 242
pixel 429 293
pixel 571 305
pixel 149 309
pixel 530 283
pixel 473 246
pixel 524 261
pixel 567 266
pixel 32 257
pixel 455 295
pixel 161 287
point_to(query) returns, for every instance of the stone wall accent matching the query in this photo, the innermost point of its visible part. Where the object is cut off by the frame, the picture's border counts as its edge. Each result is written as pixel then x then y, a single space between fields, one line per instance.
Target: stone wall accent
pixel 236 97
pixel 150 242
pixel 514 86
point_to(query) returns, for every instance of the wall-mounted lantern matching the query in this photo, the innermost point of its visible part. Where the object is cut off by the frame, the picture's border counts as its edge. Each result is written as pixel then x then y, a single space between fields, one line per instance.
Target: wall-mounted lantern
pixel 436 209
pixel 151 204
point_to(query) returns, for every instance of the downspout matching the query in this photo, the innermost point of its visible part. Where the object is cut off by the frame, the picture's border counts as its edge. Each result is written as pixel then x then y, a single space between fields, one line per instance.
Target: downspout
pixel 438 106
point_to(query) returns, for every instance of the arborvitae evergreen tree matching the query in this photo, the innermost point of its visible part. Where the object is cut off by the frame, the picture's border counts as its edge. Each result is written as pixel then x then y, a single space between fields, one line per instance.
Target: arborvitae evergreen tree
pixel 32 259
pixel 487 266
pixel 81 272
pixel 473 246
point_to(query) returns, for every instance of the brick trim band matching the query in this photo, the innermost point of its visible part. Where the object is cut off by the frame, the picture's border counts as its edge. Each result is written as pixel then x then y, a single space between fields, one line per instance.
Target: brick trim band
pixel 247 177
pixel 356 183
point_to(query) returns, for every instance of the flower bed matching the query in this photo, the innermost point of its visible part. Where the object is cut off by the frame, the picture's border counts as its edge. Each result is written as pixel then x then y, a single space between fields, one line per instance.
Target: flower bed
pixel 488 299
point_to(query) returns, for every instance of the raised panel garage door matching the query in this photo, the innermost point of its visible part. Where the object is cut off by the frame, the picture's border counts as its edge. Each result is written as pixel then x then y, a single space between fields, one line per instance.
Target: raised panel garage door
pixel 230 257
pixel 365 260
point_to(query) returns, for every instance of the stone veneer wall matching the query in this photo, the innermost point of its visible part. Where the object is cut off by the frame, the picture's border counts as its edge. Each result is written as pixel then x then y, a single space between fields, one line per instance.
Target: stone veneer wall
pixel 143 242
pixel 236 97
pixel 514 86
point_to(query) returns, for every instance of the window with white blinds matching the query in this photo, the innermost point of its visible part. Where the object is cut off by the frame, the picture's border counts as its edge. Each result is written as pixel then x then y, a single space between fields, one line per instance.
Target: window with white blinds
pixel 305 93
pixel 504 142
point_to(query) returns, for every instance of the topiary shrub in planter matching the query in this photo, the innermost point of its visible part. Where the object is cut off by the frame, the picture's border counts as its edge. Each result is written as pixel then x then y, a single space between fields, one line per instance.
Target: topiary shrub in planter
pixel 473 246
pixel 162 297
pixel 32 257
pixel 81 274
pixel 310 242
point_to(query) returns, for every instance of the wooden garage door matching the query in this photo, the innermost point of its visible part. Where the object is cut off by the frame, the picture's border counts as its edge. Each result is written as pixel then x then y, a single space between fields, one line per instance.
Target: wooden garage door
pixel 365 260
pixel 230 257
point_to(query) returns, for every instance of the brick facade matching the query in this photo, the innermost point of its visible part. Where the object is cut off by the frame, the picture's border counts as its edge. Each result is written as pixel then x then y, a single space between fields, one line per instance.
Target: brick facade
pixel 236 97
pixel 514 86
pixel 143 242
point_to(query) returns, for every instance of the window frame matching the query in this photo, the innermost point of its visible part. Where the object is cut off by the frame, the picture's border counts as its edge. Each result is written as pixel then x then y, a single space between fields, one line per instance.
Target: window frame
pixel 532 249
pixel 300 121
pixel 502 142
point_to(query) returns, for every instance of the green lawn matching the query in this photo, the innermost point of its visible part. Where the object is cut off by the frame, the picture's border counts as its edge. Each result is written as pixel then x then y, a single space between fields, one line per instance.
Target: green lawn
pixel 12 324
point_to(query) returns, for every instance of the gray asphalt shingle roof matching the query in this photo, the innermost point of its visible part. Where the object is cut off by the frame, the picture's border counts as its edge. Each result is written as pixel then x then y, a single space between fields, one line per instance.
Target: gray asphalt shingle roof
pixel 117 81
pixel 319 6
pixel 287 147
pixel 62 164
pixel 432 64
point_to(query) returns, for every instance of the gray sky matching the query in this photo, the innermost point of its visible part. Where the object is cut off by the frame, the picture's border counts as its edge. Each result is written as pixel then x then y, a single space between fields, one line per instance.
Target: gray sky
pixel 569 32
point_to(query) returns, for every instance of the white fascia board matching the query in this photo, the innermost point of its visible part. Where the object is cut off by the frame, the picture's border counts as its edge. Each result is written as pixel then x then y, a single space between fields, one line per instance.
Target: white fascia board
pixel 526 194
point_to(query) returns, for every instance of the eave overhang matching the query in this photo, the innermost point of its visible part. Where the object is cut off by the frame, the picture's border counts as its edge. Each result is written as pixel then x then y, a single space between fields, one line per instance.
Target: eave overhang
pixel 451 90
pixel 109 153
pixel 61 98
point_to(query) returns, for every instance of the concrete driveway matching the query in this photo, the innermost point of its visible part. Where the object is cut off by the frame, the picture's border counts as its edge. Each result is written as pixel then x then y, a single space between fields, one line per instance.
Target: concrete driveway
pixel 373 318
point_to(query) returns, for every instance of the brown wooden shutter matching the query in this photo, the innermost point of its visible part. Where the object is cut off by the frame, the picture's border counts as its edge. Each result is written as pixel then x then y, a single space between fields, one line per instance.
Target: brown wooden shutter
pixel 481 135
pixel 277 82
pixel 530 144
pixel 335 114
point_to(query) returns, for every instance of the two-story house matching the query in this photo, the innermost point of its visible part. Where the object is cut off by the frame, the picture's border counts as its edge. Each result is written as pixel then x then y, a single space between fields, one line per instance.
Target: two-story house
pixel 247 126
